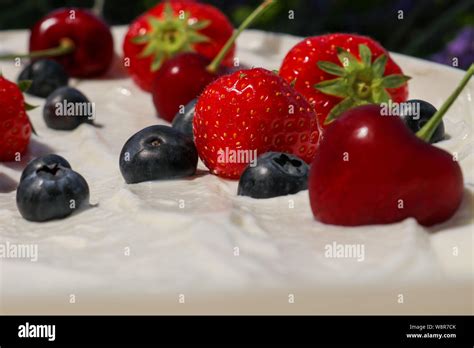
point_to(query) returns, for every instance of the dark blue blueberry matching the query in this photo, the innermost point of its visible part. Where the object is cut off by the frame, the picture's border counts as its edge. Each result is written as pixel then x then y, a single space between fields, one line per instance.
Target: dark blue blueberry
pixel 50 190
pixel 417 113
pixel 275 174
pixel 183 121
pixel 37 163
pixel 158 152
pixel 66 108
pixel 46 76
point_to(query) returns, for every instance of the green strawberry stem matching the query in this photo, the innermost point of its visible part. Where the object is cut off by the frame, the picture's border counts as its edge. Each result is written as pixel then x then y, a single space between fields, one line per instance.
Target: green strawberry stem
pixel 429 128
pixel 65 46
pixel 214 66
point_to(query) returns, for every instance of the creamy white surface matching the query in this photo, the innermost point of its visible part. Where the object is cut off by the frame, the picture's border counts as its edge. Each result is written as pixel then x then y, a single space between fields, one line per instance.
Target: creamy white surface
pixel 190 250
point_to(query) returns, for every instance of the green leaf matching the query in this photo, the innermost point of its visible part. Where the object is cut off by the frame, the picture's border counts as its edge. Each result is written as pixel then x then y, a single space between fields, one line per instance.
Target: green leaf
pixel 168 10
pixel 29 107
pixel 376 83
pixel 141 39
pixel 394 81
pixel 149 50
pixel 336 87
pixel 337 110
pixel 199 25
pixel 24 85
pixel 195 37
pixel 380 95
pixel 155 23
pixel 348 61
pixel 157 61
pixel 378 68
pixel 33 130
pixel 365 55
pixel 331 68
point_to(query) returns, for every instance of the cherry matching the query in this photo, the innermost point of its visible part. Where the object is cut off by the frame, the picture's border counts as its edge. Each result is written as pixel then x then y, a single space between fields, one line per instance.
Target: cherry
pixel 180 80
pixel 184 77
pixel 75 38
pixel 371 169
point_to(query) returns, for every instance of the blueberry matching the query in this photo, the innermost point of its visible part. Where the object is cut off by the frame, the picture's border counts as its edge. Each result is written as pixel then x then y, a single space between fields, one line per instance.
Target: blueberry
pixel 50 190
pixel 417 113
pixel 66 108
pixel 46 76
pixel 275 174
pixel 158 152
pixel 37 163
pixel 183 121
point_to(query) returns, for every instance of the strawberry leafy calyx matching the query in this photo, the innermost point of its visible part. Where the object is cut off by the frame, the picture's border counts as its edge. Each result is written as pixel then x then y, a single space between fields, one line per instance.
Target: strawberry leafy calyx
pixel 170 35
pixel 358 82
pixel 24 85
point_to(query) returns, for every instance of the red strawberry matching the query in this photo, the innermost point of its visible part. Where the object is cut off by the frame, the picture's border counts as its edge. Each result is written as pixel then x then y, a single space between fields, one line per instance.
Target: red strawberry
pixel 338 71
pixel 15 128
pixel 172 28
pixel 252 111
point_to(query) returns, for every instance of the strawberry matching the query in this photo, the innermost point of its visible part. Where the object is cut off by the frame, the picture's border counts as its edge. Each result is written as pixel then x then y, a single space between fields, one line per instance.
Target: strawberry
pixel 15 127
pixel 171 28
pixel 336 72
pixel 250 112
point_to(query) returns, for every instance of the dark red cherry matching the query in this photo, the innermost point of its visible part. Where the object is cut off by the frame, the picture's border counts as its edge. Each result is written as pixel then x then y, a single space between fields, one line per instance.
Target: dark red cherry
pixel 371 169
pixel 180 80
pixel 86 38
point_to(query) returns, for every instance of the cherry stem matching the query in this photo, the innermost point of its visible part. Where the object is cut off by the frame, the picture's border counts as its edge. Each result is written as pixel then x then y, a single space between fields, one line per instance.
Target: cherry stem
pixel 214 65
pixel 65 46
pixel 429 128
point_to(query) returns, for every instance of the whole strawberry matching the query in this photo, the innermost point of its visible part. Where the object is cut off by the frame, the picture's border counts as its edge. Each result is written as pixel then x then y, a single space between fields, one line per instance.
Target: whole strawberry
pixel 336 72
pixel 250 112
pixel 171 28
pixel 15 128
